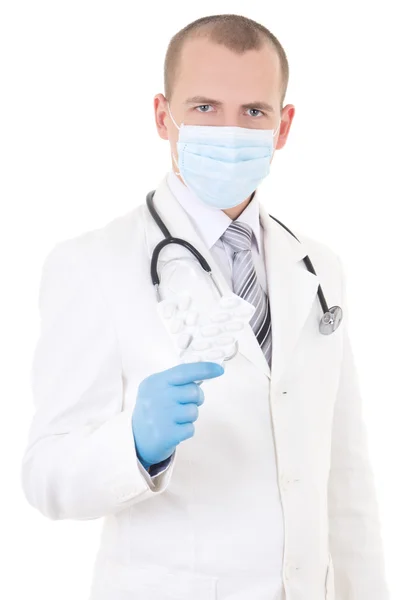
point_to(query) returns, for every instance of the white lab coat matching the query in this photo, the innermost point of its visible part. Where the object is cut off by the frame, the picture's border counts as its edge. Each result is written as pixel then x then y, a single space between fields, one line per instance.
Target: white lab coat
pixel 198 530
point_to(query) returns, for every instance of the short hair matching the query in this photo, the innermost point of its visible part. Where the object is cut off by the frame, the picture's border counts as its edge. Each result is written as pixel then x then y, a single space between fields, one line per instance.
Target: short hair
pixel 236 32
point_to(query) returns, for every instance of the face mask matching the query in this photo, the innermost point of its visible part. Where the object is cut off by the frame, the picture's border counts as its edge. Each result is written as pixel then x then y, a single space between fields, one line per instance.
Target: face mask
pixel 223 165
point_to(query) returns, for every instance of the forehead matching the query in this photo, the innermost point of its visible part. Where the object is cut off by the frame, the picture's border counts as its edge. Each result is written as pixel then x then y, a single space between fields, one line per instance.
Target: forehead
pixel 211 69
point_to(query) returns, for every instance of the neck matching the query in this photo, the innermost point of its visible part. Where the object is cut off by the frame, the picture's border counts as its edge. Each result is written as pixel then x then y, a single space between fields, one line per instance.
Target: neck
pixel 235 211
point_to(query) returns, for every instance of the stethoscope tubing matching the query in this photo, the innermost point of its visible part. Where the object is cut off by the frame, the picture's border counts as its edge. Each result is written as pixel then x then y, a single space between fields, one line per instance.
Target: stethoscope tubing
pixel 331 315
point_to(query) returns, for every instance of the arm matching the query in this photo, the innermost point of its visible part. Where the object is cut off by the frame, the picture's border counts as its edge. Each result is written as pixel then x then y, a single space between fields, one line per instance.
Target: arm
pixel 355 537
pixel 80 461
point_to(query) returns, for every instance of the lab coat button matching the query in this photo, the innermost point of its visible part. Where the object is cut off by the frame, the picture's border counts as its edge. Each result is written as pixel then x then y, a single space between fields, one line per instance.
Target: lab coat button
pixel 285 481
pixel 290 570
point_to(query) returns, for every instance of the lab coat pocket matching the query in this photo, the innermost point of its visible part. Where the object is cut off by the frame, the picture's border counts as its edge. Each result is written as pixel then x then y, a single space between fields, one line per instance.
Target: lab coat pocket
pixel 330 583
pixel 151 582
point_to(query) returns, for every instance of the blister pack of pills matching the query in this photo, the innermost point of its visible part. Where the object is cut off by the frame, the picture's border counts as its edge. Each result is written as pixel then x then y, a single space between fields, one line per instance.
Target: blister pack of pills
pixel 210 335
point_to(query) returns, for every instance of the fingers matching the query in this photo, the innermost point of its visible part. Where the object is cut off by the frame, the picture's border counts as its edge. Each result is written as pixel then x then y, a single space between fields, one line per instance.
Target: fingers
pixel 184 432
pixel 190 372
pixel 185 413
pixel 184 394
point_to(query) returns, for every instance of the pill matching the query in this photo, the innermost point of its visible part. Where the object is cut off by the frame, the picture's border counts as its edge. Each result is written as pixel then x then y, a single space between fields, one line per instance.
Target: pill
pixel 210 330
pixel 176 325
pixel 229 301
pixel 234 326
pixel 184 340
pixel 214 353
pixel 244 310
pixel 184 302
pixel 224 340
pixel 220 317
pixel 191 317
pixel 168 309
pixel 230 350
pixel 200 344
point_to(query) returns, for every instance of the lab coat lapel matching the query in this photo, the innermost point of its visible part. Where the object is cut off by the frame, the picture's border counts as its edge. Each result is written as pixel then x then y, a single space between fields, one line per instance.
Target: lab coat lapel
pixel 291 287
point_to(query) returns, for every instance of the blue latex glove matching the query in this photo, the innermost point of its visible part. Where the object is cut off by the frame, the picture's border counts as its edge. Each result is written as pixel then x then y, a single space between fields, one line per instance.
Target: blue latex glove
pixel 166 406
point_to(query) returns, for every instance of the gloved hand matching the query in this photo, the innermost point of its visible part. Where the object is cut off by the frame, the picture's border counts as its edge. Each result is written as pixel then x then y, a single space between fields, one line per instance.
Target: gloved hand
pixel 166 406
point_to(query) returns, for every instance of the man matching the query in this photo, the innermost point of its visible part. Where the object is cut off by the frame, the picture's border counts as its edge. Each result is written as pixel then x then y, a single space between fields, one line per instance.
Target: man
pixel 272 496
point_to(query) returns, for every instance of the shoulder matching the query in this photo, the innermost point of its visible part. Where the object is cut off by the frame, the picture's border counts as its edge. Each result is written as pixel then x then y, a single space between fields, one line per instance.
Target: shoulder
pixel 91 246
pixel 96 257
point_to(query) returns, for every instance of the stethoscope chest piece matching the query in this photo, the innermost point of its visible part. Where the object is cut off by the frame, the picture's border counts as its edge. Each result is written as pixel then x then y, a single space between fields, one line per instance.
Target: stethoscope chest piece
pixel 331 320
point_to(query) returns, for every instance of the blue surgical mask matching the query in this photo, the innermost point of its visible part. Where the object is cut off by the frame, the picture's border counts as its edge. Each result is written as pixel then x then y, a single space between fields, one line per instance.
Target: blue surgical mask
pixel 223 165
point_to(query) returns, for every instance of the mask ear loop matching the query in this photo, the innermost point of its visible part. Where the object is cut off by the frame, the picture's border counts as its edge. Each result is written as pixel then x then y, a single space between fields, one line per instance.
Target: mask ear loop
pixel 277 129
pixel 173 155
pixel 173 120
pixel 275 132
pixel 174 159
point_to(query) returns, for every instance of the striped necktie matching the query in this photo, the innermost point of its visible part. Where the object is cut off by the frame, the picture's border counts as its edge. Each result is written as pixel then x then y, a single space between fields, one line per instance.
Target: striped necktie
pixel 245 284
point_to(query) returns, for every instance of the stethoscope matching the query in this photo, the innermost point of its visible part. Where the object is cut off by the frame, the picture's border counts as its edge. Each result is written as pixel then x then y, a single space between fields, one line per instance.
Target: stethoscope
pixel 331 318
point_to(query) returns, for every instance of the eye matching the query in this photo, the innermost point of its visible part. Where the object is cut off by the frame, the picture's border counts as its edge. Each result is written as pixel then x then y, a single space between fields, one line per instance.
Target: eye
pixel 256 110
pixel 202 106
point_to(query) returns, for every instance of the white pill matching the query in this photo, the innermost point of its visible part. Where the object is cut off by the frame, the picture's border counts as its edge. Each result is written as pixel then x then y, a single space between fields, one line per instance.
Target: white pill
pixel 229 349
pixel 224 340
pixel 168 309
pixel 220 317
pixel 200 344
pixel 244 310
pixel 176 325
pixel 210 330
pixel 184 340
pixel 214 353
pixel 191 317
pixel 229 301
pixel 184 302
pixel 234 326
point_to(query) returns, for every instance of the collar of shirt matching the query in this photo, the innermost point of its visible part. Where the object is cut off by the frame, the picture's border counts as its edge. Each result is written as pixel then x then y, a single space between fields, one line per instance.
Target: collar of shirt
pixel 212 222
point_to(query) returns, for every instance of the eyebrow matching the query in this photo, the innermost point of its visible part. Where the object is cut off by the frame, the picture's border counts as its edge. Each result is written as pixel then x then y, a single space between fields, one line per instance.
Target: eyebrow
pixel 204 100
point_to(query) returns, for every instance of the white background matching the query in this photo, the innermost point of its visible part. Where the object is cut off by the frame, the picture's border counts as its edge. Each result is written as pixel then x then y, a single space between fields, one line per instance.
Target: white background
pixel 79 147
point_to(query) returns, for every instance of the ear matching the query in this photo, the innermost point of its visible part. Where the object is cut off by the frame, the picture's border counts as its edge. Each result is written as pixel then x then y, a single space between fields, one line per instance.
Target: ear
pixel 287 116
pixel 161 116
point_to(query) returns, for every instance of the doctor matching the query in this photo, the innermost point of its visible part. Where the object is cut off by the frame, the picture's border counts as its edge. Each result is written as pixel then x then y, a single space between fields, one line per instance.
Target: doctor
pixel 270 495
